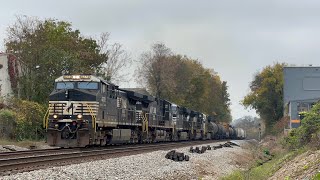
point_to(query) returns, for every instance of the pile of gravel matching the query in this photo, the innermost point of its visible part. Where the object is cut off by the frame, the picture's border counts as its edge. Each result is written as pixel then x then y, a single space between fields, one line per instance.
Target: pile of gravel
pixel 153 165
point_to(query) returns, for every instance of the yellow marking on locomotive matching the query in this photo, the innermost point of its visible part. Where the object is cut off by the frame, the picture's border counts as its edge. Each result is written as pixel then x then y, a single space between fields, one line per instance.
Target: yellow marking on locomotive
pixel 46 120
pixel 93 117
pixel 145 123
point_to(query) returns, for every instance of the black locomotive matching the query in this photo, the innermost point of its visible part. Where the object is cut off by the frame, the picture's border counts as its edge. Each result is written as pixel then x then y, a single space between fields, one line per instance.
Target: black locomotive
pixel 85 110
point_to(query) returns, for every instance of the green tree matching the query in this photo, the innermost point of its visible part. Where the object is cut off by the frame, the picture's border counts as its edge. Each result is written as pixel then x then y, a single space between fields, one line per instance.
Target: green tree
pixel 48 49
pixel 266 95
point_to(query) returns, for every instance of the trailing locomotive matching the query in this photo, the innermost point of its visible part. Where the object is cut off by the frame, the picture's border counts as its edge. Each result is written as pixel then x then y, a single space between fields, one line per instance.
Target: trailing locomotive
pixel 85 110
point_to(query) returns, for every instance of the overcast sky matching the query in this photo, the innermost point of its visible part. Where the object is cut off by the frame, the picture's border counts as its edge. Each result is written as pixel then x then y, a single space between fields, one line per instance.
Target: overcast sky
pixel 234 37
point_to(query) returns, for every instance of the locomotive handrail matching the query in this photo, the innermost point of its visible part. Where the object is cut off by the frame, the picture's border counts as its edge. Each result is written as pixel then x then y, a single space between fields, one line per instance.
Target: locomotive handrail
pixel 46 119
pixel 92 116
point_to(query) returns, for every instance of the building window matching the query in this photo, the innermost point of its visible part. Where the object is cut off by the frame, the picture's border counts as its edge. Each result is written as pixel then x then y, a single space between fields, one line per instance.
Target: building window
pixel 303 107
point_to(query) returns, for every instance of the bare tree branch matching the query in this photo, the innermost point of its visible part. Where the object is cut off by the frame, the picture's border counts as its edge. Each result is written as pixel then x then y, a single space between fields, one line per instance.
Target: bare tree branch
pixel 117 60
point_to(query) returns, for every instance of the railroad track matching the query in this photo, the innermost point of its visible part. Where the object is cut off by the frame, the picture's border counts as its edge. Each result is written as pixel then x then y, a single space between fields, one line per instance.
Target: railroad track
pixel 15 162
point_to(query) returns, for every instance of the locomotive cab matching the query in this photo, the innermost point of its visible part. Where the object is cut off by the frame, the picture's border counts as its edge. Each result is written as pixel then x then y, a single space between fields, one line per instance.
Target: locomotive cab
pixel 72 110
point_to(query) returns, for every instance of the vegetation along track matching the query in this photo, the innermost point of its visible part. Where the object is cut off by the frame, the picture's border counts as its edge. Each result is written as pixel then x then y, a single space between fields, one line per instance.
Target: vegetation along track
pixel 33 161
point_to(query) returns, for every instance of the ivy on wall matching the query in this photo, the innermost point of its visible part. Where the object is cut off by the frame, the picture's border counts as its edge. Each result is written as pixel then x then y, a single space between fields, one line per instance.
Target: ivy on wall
pixel 13 72
pixel 1 66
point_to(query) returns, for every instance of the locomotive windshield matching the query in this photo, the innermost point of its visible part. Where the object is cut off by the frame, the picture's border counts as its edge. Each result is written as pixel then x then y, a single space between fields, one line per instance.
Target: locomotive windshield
pixel 79 85
pixel 87 85
pixel 65 85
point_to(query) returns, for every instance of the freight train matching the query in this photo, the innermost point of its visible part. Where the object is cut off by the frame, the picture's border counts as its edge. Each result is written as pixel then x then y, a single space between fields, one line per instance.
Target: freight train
pixel 85 110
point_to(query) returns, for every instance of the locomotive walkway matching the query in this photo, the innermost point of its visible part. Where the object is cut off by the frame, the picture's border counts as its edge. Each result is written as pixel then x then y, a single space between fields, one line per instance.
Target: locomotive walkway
pixel 15 162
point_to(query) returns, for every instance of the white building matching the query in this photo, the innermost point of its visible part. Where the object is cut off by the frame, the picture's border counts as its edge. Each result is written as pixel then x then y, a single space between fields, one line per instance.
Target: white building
pixel 5 85
pixel 9 72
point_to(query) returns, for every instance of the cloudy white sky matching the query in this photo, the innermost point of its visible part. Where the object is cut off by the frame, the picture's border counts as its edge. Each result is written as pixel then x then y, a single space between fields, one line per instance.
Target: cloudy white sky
pixel 236 38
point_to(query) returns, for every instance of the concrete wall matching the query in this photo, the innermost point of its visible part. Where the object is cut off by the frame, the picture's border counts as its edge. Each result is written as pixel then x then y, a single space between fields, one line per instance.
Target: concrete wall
pixel 301 90
pixel 5 85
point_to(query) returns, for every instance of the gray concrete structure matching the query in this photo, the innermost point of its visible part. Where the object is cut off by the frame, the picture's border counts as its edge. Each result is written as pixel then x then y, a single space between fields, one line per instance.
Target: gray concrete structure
pixel 5 85
pixel 301 90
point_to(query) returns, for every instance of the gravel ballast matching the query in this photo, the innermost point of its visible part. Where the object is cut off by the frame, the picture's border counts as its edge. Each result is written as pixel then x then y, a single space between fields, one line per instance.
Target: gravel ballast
pixel 8 148
pixel 209 165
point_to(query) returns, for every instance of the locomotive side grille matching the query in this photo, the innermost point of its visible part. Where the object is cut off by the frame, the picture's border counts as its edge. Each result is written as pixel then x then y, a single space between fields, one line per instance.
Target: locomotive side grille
pixel 73 107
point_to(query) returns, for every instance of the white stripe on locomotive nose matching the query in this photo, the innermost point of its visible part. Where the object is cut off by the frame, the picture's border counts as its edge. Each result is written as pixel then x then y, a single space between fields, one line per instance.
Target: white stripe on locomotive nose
pixel 66 108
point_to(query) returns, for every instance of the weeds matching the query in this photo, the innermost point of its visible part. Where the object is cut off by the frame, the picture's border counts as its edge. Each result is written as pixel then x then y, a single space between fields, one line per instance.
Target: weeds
pixel 266 169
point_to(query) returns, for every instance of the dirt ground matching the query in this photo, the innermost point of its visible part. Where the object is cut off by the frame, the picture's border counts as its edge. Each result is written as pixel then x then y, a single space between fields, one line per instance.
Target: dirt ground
pixel 6 145
pixel 304 166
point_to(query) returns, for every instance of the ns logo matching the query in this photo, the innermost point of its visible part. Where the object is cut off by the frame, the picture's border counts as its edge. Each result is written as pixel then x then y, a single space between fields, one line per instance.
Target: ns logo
pixel 69 108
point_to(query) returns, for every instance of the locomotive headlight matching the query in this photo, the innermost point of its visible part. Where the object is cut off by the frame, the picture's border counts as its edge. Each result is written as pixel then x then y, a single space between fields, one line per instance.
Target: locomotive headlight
pixel 55 116
pixel 56 126
pixel 79 116
pixel 76 77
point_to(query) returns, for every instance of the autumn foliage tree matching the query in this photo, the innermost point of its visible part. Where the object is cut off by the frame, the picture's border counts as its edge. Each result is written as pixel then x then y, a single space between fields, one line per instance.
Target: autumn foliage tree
pixel 266 95
pixel 184 81
pixel 49 48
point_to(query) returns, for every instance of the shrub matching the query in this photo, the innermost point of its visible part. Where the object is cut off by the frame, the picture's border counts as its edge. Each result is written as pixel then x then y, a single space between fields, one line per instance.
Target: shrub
pixel 23 119
pixel 293 140
pixel 308 131
pixel 7 123
pixel 29 119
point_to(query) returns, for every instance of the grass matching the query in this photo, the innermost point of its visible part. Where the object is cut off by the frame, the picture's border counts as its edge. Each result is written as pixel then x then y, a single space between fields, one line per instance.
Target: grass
pixel 316 177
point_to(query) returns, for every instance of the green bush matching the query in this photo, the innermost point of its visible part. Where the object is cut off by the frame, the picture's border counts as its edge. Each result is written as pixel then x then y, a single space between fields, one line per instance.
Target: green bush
pixel 23 119
pixel 316 177
pixel 308 131
pixel 293 141
pixel 7 123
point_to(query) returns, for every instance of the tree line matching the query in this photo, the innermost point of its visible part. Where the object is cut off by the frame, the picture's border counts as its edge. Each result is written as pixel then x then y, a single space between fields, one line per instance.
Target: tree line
pixel 184 81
